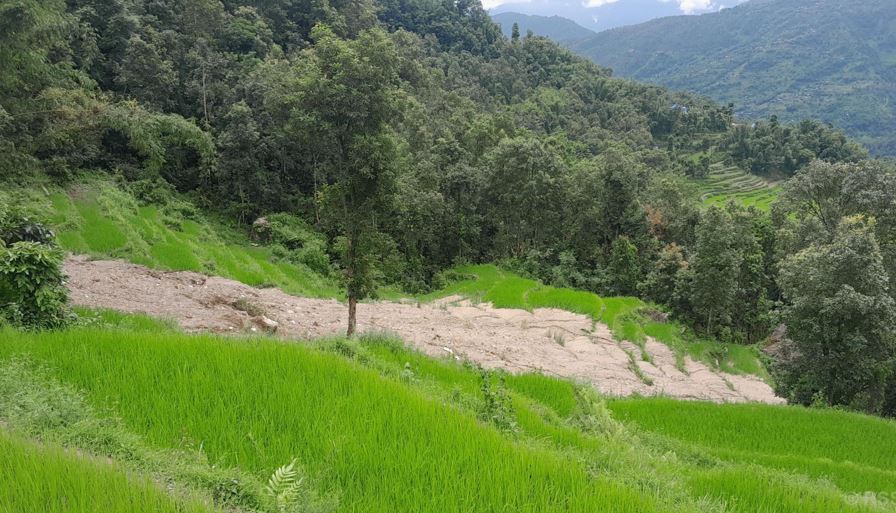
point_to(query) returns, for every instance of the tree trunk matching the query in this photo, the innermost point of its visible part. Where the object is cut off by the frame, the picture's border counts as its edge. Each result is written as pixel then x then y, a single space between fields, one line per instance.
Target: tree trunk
pixel 205 97
pixel 352 315
pixel 352 290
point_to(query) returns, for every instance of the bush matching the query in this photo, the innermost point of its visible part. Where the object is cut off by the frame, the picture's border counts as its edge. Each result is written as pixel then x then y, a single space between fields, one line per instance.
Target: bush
pixel 303 244
pixel 32 288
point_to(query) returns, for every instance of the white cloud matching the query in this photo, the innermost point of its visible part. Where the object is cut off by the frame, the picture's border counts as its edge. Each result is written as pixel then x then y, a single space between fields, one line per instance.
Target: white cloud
pixel 686 6
pixel 692 6
pixel 597 3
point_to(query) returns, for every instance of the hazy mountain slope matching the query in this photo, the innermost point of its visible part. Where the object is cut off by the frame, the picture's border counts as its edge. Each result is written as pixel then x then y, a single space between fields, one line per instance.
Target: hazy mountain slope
pixel 606 14
pixel 827 59
pixel 558 28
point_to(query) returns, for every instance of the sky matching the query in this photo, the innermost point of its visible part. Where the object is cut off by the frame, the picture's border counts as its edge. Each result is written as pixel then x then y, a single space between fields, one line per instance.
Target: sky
pixel 600 15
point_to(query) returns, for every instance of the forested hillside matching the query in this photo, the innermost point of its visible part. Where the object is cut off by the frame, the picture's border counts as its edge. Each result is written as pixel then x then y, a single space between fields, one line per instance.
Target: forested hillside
pixel 400 138
pixel 830 60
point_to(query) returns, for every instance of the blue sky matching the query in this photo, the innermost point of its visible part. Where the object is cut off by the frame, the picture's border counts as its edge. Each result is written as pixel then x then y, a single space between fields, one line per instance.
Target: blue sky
pixel 604 14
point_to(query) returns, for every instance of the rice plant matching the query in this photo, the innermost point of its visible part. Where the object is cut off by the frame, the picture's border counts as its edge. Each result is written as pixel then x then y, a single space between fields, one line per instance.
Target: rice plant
pixel 47 479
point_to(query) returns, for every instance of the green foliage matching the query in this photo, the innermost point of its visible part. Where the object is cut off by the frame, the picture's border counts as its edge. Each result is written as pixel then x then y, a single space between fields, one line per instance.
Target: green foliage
pixel 360 166
pixel 340 420
pixel 624 267
pixel 840 319
pixel 837 281
pixel 495 409
pixel 31 282
pixel 288 492
pixel 34 405
pixel 46 478
pixel 305 246
pixel 32 288
pixel 283 487
pixel 787 438
pixel 723 287
pixel 100 218
pixel 772 149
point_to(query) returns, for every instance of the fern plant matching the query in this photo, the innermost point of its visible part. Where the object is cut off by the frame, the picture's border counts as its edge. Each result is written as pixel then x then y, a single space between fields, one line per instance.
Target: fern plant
pixel 284 488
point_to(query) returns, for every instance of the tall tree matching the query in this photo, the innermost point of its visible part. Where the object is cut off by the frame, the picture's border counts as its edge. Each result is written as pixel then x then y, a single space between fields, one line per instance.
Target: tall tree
pixel 524 195
pixel 711 281
pixel 347 96
pixel 840 319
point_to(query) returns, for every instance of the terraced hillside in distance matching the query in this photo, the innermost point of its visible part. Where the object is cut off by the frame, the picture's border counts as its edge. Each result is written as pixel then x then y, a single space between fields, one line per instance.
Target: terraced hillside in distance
pixel 730 182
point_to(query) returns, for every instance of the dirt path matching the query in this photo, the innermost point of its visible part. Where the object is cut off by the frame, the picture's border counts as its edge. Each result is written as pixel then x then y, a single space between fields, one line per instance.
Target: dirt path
pixel 551 341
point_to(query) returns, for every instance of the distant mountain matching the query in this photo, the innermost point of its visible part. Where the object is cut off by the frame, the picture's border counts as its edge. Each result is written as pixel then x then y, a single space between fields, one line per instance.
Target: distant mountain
pixel 832 60
pixel 561 30
pixel 600 15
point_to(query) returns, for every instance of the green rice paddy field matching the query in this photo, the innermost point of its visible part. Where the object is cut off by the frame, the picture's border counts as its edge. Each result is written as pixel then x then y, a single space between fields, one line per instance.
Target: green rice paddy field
pixel 727 183
pixel 377 427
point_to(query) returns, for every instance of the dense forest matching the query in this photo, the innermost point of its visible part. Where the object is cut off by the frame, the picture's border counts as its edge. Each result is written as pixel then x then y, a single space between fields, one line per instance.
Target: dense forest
pixel 830 60
pixel 414 136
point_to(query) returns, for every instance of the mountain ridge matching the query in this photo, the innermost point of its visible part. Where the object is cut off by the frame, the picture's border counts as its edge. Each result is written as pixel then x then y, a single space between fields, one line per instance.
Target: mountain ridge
pixel 760 56
pixel 560 29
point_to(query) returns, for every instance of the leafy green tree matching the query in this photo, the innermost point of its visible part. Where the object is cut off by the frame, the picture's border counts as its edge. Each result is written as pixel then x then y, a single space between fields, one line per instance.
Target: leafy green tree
pixel 711 281
pixel 750 316
pixel 623 268
pixel 660 283
pixel 348 97
pixel 840 318
pixel 822 194
pixel 32 289
pixel 524 195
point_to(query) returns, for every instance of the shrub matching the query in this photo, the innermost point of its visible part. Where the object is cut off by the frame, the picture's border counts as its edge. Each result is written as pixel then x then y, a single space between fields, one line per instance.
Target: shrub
pixel 496 408
pixel 32 288
pixel 304 245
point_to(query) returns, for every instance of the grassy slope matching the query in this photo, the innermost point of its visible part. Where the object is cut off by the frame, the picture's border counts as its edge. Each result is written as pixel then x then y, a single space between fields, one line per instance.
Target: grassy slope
pixel 389 429
pixel 99 219
pixel 843 447
pixel 385 446
pixel 506 290
pixel 49 480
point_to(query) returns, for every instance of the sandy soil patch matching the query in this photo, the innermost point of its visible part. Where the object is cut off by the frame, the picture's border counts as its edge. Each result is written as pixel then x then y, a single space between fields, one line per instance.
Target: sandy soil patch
pixel 555 342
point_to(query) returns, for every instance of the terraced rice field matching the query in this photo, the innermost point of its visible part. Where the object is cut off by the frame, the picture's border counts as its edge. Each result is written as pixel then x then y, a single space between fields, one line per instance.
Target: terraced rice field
pixel 380 428
pixel 729 182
